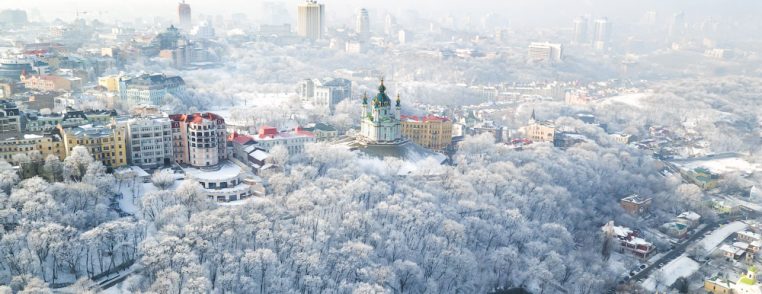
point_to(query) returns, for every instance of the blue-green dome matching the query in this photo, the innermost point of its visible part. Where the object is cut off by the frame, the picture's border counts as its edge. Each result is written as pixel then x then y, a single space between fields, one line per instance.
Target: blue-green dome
pixel 382 99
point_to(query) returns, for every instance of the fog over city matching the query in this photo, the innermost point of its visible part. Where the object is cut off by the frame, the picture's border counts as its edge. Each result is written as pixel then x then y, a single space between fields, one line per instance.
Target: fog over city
pixel 308 146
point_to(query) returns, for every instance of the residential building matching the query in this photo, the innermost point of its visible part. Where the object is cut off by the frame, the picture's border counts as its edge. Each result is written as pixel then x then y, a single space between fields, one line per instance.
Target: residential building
pixel 732 252
pixel 329 93
pixel 199 139
pixel 689 218
pixel 294 141
pixel 106 143
pixel 628 241
pixel 150 88
pixel 545 52
pixel 10 120
pixel 674 229
pixel 430 131
pixel 311 20
pixel 566 139
pixel 149 141
pixel 577 98
pixel 636 204
pixel 602 33
pixel 322 131
pixel 748 236
pixel 380 122
pixel 621 138
pixel 49 144
pixel 51 83
pixel 111 83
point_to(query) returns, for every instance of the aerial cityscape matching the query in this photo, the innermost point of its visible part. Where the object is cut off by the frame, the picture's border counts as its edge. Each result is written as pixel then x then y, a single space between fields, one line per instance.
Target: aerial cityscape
pixel 335 146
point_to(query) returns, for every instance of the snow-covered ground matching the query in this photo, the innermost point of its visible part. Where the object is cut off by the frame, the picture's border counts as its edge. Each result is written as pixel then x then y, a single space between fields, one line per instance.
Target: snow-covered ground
pixel 723 165
pixel 131 196
pixel 717 236
pixel 683 266
pixel 634 100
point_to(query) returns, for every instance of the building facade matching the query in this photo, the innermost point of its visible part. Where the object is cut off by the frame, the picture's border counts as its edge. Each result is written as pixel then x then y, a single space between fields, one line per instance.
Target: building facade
pixel 184 15
pixel 106 143
pixel 48 144
pixel 540 131
pixel 51 83
pixel 432 132
pixel 545 52
pixel 10 120
pixel 149 141
pixel 149 88
pixel 362 24
pixel 199 139
pixel 380 120
pixel 329 93
pixel 636 204
pixel 311 20
pixel 602 33
pixel 294 141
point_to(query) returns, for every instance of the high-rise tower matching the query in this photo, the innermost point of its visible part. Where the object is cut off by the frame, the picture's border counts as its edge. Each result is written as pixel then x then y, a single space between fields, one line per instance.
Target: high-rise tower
pixel 580 30
pixel 602 33
pixel 311 20
pixel 184 15
pixel 363 23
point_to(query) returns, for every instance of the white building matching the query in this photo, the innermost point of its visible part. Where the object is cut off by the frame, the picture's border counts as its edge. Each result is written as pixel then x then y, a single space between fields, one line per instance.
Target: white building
pixel 331 92
pixel 149 141
pixel 545 52
pixel 294 141
pixel 149 88
pixel 311 20
pixel 580 30
pixel 602 33
pixel 362 25
pixel 225 182
pixel 380 122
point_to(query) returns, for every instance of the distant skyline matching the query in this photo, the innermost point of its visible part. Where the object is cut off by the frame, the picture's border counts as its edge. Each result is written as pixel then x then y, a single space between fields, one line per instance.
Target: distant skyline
pixel 533 12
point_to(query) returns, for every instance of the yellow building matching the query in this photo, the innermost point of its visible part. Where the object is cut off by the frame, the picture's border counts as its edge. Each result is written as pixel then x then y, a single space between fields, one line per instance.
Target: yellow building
pixel 51 83
pixel 111 83
pixel 106 143
pixel 46 145
pixel 429 131
pixel 540 131
pixel 718 285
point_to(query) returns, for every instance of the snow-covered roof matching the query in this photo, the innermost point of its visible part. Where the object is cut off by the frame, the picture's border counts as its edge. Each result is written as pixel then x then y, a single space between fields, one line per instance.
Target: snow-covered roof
pixel 741 245
pixel 224 171
pixel 690 215
pixel 750 235
pixel 727 248
pixel 259 155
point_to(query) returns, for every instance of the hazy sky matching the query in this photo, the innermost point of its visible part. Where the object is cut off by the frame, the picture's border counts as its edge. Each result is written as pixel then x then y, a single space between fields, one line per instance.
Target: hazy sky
pixel 520 11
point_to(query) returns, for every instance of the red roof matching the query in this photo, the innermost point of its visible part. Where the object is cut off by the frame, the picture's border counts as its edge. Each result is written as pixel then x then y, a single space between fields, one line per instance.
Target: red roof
pixel 267 131
pixel 195 117
pixel 425 118
pixel 240 138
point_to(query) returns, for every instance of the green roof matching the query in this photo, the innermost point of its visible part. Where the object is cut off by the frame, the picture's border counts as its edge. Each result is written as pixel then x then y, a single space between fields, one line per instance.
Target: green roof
pixel 746 280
